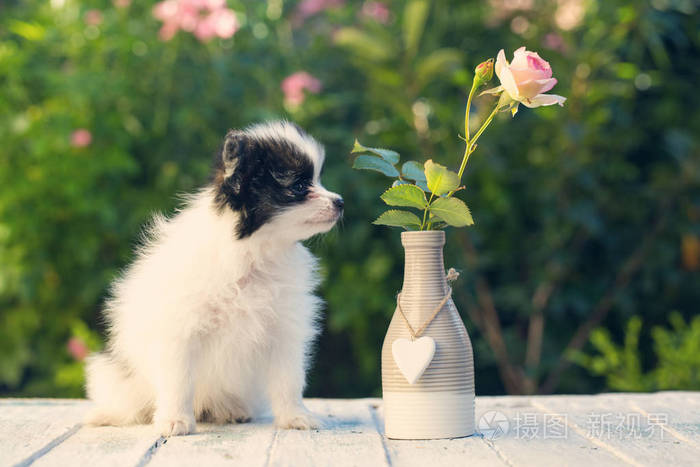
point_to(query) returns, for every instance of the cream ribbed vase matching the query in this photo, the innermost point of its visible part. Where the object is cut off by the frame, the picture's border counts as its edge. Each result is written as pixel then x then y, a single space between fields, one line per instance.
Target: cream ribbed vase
pixel 441 403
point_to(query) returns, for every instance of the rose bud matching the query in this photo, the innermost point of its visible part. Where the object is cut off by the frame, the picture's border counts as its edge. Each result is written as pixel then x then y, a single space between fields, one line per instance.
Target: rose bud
pixel 483 72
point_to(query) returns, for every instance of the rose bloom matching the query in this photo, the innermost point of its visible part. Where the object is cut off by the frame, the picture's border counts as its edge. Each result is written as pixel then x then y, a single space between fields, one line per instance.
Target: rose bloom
pixel 80 138
pixel 526 78
pixel 293 87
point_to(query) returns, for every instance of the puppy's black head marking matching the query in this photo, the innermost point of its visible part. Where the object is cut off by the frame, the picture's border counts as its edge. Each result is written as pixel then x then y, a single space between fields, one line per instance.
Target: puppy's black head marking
pixel 260 176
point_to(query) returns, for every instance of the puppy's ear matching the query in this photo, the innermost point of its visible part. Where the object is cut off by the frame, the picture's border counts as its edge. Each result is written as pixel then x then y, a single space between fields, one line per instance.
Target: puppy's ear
pixel 236 144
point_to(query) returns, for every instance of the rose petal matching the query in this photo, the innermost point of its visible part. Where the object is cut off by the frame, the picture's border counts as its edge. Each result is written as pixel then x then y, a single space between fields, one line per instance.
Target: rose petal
pixel 546 84
pixel 508 83
pixel 519 58
pixel 501 62
pixel 544 99
pixel 526 74
pixel 505 76
pixel 528 89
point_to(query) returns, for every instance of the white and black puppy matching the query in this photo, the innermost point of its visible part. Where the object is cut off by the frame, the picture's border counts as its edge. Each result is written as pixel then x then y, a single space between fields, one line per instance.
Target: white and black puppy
pixel 214 319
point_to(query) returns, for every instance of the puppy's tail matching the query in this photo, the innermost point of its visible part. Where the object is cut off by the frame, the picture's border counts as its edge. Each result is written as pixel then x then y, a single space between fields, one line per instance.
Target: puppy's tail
pixel 120 398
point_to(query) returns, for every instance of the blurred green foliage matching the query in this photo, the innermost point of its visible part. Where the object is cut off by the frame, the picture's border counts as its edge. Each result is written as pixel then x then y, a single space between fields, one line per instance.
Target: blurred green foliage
pixel 676 350
pixel 585 215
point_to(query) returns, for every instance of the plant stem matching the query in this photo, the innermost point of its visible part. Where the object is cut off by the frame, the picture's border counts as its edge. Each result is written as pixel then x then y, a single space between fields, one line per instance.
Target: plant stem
pixel 476 137
pixel 466 112
pixel 471 144
pixel 425 213
pixel 466 129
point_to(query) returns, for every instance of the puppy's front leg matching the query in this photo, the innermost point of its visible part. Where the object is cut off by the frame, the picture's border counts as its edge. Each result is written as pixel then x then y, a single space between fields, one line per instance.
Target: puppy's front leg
pixel 285 379
pixel 174 384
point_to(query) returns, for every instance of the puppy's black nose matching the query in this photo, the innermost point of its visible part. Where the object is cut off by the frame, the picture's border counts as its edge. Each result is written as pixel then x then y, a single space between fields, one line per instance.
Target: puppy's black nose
pixel 339 203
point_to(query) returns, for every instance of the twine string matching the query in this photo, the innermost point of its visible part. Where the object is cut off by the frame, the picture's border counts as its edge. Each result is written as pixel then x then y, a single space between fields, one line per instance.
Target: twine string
pixel 452 276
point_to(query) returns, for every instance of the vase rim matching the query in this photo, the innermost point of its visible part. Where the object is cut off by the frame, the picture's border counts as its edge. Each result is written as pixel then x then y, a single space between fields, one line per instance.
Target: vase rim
pixel 423 238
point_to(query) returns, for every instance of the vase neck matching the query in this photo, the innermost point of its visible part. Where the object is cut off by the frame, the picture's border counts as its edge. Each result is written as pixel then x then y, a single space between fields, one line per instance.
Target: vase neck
pixel 424 282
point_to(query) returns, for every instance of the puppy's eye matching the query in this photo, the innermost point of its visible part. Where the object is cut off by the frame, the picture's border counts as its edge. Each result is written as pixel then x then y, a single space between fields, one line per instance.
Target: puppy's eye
pixel 299 188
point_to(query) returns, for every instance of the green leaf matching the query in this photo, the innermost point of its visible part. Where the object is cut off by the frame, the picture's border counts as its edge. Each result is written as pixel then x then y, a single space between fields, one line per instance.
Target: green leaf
pixel 437 64
pixel 388 155
pixel 453 211
pixel 412 170
pixel 396 218
pixel 29 31
pixel 364 45
pixel 405 195
pixel 377 164
pixel 440 179
pixel 414 16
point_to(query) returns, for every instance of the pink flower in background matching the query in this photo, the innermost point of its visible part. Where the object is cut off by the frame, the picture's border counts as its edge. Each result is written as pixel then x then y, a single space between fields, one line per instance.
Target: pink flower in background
pixel 222 23
pixel 93 17
pixel 527 78
pixel 80 138
pixel 205 19
pixel 293 87
pixel 77 348
pixel 554 41
pixel 308 8
pixel 121 3
pixel 377 11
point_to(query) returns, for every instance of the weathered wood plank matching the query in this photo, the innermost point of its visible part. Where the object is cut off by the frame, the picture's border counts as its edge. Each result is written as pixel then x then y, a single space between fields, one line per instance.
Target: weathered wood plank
pixel 102 446
pixel 348 438
pixel 30 428
pixel 680 409
pixel 608 429
pixel 525 435
pixel 438 452
pixel 243 444
pixel 611 423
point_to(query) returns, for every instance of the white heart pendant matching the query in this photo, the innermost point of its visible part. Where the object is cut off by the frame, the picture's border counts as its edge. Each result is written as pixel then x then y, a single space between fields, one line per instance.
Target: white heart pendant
pixel 413 357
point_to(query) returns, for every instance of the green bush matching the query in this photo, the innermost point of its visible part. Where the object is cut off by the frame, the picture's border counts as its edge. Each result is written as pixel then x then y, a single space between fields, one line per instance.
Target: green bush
pixel 676 351
pixel 584 215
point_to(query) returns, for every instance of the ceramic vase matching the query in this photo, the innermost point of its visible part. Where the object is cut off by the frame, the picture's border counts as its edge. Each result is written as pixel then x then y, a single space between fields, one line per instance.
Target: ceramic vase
pixel 440 404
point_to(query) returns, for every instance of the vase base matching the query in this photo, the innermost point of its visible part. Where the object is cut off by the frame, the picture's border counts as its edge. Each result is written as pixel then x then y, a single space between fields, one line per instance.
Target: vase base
pixel 428 415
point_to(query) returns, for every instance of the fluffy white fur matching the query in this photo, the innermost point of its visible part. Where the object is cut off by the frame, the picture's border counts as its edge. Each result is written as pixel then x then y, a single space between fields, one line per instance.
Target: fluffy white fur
pixel 209 327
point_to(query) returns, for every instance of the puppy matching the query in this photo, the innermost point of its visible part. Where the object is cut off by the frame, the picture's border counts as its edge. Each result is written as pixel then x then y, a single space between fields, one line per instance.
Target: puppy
pixel 214 319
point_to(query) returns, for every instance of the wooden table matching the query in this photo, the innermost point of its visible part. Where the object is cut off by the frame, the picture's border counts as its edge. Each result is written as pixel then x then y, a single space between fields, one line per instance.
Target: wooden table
pixel 607 429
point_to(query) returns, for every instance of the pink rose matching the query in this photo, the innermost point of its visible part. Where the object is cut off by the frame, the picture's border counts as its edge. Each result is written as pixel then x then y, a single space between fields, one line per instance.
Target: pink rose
pixel 77 348
pixel 293 87
pixel 205 19
pixel 80 138
pixel 527 78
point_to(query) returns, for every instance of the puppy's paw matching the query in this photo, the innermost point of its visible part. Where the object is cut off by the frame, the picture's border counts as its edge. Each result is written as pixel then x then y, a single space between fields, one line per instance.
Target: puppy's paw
pixel 298 420
pixel 176 426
